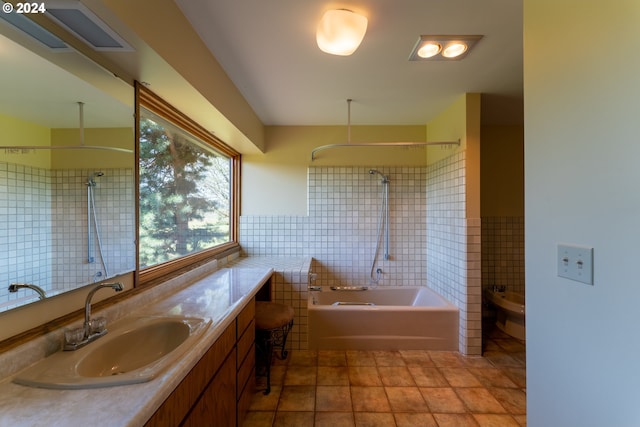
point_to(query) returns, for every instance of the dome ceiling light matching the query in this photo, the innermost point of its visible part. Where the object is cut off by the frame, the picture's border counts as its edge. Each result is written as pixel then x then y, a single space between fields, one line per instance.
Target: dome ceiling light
pixel 442 48
pixel 340 32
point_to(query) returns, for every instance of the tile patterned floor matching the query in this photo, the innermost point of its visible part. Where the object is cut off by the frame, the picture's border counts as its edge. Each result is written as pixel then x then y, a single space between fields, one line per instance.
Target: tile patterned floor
pixel 396 388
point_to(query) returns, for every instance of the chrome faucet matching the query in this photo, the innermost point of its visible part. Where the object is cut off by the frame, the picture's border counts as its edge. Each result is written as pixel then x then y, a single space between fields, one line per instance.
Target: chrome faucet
pixel 76 338
pixel 15 286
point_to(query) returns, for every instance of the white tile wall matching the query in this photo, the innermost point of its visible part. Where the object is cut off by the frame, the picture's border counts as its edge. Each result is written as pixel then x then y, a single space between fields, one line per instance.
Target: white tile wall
pixel 453 248
pixel 503 252
pixel 431 240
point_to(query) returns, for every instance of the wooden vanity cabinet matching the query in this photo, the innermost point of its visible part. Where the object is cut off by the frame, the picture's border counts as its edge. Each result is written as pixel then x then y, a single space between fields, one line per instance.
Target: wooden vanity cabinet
pixel 218 390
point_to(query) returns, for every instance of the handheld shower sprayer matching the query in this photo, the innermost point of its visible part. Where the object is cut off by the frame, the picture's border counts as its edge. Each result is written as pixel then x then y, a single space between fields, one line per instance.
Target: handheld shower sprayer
pixel 385 178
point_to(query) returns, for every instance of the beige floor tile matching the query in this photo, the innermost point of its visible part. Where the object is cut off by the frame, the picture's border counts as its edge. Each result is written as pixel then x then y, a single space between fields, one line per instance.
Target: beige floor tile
pixel 332 358
pixel 493 377
pixel 364 375
pixel 258 419
pixel 460 377
pixel 416 358
pixel 406 399
pixel 332 375
pixel 500 359
pixel 443 400
pixel 297 398
pixel 334 419
pixel 300 375
pixel 369 399
pixel 262 402
pixel 405 419
pixel 303 358
pixel 396 376
pixel 480 400
pixel 446 359
pixel 333 399
pixel 476 362
pixel 293 419
pixel 495 420
pixel 375 419
pixel 427 377
pixel 389 358
pixel 517 375
pixel 455 420
pixel 513 400
pixel 360 358
pixel 521 420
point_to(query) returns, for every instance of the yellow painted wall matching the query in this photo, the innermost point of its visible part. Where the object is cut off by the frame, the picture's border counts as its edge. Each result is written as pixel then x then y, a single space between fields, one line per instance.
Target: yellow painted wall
pixel 460 121
pixel 275 183
pixel 502 171
pixel 449 125
pixel 15 131
pixel 101 159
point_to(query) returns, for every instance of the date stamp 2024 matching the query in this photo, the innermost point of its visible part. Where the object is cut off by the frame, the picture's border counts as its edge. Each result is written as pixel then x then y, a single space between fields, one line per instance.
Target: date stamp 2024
pixel 24 8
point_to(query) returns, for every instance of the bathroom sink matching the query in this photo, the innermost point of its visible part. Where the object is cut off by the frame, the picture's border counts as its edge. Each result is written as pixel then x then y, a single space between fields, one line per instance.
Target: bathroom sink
pixel 136 352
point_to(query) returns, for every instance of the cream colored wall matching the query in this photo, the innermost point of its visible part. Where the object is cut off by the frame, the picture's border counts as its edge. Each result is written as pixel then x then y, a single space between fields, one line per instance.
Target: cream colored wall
pixel 275 183
pixel 15 131
pixel 581 103
pixel 502 171
pixel 87 159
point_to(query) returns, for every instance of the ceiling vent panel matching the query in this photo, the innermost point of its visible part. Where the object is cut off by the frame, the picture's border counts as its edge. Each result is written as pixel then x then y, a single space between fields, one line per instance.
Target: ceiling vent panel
pixel 27 26
pixel 84 24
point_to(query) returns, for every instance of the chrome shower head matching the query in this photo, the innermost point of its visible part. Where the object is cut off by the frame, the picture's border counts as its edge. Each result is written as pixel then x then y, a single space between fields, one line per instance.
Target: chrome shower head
pixel 385 178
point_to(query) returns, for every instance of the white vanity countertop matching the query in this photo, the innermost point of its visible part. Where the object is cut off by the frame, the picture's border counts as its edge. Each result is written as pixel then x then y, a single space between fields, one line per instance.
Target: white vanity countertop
pixel 220 297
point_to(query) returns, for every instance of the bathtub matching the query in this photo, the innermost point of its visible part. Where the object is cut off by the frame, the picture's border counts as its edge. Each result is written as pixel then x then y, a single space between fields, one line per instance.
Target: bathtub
pixel 510 311
pixel 383 318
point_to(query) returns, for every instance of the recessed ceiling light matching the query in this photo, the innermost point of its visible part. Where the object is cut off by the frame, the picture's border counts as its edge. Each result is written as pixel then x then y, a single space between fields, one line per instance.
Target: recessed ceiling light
pixel 442 48
pixel 454 50
pixel 429 49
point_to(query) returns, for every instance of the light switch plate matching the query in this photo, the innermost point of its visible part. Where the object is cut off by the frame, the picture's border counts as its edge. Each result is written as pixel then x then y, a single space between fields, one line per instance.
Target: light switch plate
pixel 575 263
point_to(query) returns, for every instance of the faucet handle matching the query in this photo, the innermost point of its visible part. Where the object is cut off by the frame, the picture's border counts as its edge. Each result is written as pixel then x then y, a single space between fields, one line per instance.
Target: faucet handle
pixel 73 336
pixel 97 325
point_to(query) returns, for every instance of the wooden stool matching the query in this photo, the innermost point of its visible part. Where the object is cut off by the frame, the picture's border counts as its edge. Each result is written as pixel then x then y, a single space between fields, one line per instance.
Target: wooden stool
pixel 273 323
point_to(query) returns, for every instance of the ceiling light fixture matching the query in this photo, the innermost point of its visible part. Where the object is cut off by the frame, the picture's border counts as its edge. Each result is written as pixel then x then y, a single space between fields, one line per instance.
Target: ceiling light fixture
pixel 340 32
pixel 442 48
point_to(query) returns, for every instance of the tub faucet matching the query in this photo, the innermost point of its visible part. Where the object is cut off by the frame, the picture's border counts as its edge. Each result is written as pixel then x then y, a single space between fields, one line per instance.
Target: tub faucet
pixel 499 288
pixel 80 337
pixel 15 286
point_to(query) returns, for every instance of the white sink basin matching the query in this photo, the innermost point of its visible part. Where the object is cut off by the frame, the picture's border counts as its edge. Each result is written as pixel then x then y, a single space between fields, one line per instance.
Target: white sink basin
pixel 136 352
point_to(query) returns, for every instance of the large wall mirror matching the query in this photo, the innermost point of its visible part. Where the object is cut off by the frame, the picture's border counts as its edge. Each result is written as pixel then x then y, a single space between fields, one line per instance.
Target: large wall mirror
pixel 67 215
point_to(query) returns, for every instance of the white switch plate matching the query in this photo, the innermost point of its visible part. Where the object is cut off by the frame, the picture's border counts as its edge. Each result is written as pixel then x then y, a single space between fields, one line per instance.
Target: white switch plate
pixel 575 263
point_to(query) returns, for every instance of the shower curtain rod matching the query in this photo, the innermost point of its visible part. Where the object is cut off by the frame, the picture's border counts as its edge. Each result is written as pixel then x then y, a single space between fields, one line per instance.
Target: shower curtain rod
pixel 381 144
pixel 373 144
pixel 65 147
pixel 68 147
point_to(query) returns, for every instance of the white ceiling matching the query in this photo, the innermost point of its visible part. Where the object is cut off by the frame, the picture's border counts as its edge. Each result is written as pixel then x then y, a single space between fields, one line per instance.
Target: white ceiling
pixel 268 49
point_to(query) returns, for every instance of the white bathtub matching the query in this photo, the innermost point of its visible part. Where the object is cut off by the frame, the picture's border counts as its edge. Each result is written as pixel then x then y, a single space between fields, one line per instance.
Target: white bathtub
pixel 383 318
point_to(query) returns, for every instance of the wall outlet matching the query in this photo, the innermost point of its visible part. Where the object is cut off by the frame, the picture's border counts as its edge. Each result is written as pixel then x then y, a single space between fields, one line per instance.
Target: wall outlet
pixel 575 263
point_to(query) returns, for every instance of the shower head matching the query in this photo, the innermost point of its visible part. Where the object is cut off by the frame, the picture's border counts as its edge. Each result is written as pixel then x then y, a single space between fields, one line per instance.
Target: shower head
pixel 98 174
pixel 385 179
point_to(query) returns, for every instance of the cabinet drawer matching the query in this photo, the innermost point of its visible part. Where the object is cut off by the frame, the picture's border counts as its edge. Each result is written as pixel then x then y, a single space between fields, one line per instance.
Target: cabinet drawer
pixel 178 404
pixel 246 375
pixel 246 316
pixel 246 342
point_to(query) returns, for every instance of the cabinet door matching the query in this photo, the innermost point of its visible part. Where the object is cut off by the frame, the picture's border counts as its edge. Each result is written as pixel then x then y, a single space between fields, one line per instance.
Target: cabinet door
pixel 217 405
